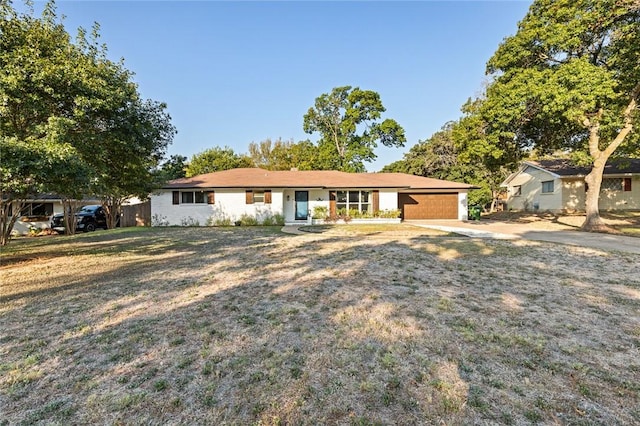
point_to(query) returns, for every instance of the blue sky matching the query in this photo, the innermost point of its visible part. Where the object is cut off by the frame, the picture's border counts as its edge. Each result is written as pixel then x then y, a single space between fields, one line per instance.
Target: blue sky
pixel 233 73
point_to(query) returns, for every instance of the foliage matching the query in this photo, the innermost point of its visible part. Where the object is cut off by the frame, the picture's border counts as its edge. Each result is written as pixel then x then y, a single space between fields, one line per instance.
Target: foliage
pixel 273 220
pixel 348 120
pixel 173 168
pixel 159 220
pixel 569 79
pixel 215 160
pixel 223 220
pixel 68 104
pixel 284 155
pixel 247 220
pixel 388 214
pixel 189 221
pixel 460 152
pixel 320 212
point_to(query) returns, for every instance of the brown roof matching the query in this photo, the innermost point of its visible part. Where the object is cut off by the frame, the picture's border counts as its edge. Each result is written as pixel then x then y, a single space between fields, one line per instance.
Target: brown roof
pixel 260 178
pixel 567 168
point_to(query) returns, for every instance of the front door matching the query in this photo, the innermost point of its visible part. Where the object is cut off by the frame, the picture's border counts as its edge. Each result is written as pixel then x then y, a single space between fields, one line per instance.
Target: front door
pixel 302 205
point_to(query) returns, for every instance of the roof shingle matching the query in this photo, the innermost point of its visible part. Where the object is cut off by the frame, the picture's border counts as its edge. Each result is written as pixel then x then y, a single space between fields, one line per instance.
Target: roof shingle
pixel 564 167
pixel 260 178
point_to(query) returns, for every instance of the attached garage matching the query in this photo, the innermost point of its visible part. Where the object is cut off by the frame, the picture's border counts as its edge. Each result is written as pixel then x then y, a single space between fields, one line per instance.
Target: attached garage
pixel 428 206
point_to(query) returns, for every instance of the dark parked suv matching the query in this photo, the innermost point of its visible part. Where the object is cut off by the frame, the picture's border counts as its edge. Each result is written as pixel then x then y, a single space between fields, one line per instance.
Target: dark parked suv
pixel 89 218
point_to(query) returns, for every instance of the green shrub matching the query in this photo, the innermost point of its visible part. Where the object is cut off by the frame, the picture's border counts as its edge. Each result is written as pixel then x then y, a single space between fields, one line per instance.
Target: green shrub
pixel 268 221
pixel 319 212
pixel 388 214
pixel 219 221
pixel 279 219
pixel 248 220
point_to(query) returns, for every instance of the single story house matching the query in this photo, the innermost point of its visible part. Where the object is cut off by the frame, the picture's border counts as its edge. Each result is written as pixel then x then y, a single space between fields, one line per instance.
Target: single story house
pixel 558 185
pixel 294 194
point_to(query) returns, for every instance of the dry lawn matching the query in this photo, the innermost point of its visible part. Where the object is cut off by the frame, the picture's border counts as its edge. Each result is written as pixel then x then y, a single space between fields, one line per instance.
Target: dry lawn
pixel 390 325
pixel 624 222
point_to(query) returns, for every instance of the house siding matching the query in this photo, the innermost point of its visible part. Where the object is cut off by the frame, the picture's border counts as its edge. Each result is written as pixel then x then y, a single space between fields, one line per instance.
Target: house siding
pixel 574 195
pixel 229 204
pixel 531 197
pixel 569 193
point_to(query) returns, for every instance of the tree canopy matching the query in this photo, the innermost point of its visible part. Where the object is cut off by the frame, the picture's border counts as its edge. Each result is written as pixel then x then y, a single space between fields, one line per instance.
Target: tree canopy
pixel 349 122
pixel 284 155
pixel 216 159
pixel 569 79
pixel 65 101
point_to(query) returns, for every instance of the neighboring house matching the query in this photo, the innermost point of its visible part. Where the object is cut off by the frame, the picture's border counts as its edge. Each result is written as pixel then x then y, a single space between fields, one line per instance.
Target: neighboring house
pixel 293 194
pixel 558 185
pixel 37 212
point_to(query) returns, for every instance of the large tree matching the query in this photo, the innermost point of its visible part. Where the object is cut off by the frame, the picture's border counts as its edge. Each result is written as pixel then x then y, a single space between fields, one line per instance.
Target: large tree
pixel 216 159
pixel 285 155
pixel 67 101
pixel 175 167
pixel 570 79
pixel 348 120
pixel 460 151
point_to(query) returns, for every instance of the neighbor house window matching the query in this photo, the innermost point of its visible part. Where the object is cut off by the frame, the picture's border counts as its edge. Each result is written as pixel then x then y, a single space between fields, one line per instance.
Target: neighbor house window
pixel 191 197
pixel 353 200
pixel 517 191
pixel 547 187
pixel 612 184
pixel 37 209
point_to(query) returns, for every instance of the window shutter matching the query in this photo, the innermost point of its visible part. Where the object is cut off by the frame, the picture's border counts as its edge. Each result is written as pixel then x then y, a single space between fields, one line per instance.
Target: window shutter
pixel 249 197
pixel 332 203
pixel 267 196
pixel 626 184
pixel 376 201
pixel 176 197
pixel 211 197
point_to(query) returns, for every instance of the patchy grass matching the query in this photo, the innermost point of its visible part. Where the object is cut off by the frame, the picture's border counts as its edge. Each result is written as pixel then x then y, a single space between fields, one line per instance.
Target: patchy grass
pixel 251 326
pixel 377 230
pixel 625 222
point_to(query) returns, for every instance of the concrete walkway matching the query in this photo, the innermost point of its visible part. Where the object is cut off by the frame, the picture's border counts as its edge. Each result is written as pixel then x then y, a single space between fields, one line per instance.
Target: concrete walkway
pixel 509 230
pixel 293 230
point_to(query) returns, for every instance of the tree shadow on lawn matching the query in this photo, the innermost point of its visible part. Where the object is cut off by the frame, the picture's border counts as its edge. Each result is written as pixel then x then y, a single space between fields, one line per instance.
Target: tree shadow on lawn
pixel 246 328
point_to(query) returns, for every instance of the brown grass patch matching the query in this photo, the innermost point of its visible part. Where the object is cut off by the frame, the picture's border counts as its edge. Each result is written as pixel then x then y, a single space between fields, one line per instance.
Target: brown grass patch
pixel 624 222
pixel 251 326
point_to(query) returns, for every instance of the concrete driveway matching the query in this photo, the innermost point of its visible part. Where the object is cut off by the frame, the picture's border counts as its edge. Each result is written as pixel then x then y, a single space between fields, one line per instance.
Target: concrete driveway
pixel 510 230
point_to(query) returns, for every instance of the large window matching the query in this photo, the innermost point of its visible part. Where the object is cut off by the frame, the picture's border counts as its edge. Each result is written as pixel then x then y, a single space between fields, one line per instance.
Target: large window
pixel 353 200
pixel 547 187
pixel 37 209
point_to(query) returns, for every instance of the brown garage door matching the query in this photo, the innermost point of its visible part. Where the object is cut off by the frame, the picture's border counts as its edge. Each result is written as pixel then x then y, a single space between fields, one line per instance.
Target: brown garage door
pixel 428 206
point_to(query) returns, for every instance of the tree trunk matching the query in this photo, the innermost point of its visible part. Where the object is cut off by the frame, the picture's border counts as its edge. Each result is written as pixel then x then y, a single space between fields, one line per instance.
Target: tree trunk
pixel 69 208
pixel 112 208
pixel 7 221
pixel 593 221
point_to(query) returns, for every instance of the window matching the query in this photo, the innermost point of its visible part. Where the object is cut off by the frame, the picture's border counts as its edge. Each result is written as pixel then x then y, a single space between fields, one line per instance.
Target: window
pixel 258 196
pixel 189 197
pixel 353 200
pixel 547 187
pixel 37 209
pixel 612 184
pixel 517 191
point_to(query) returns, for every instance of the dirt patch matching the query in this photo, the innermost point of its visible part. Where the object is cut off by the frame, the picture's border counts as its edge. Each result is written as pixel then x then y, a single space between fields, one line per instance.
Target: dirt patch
pixel 250 326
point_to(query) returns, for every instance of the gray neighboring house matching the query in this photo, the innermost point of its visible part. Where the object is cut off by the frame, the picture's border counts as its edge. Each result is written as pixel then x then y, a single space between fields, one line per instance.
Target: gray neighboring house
pixel 559 186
